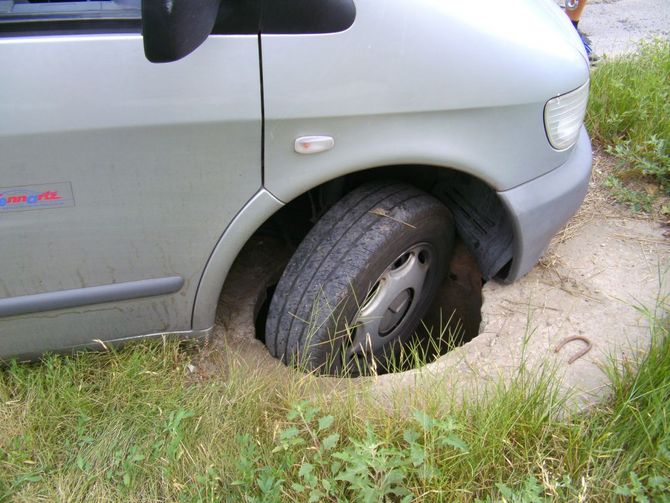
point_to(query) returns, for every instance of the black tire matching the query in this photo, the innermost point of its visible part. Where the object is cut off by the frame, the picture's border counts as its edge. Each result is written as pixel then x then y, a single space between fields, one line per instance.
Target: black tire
pixel 386 235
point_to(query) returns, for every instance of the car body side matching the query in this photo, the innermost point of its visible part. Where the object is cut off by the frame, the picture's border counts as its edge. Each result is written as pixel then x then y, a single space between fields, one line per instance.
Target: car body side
pixel 172 183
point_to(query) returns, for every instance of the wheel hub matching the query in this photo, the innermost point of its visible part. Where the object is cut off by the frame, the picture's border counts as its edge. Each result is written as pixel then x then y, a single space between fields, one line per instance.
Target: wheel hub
pixel 390 302
pixel 395 312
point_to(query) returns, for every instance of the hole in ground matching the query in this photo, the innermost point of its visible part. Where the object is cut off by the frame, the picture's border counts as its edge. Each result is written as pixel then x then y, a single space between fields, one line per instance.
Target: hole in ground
pixel 262 315
pixel 451 321
pixel 455 316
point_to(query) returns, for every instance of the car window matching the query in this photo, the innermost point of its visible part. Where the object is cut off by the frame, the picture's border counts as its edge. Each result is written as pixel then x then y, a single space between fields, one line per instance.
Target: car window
pixel 284 16
pixel 21 17
pixel 55 17
pixel 239 17
pixel 54 9
pixel 307 16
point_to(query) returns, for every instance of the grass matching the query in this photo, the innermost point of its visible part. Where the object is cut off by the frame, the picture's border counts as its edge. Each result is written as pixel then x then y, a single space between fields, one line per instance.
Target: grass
pixel 629 115
pixel 136 426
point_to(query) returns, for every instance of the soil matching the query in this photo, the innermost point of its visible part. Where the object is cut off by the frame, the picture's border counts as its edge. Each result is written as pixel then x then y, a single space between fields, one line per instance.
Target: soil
pixel 598 282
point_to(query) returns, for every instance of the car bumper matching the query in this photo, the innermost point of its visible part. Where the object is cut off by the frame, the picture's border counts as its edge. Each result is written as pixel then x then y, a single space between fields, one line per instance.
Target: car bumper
pixel 540 208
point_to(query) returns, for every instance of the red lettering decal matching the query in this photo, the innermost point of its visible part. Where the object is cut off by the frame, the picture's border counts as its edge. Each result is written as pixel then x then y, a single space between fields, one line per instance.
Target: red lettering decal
pixel 50 195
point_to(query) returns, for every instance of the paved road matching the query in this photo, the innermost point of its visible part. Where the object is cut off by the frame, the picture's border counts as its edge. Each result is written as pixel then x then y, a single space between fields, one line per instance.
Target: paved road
pixel 617 26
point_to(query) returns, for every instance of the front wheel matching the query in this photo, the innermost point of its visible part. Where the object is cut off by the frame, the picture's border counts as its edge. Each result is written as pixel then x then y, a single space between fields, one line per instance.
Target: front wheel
pixel 360 282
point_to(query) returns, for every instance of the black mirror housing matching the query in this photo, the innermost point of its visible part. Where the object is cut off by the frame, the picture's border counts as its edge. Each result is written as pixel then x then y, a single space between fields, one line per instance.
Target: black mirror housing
pixel 173 29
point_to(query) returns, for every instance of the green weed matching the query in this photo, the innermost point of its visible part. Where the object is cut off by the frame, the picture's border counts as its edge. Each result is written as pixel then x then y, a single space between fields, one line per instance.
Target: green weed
pixel 629 114
pixel 637 200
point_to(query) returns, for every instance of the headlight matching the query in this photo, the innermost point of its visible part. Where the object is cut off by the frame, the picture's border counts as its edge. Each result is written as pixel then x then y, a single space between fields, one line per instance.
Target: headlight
pixel 564 115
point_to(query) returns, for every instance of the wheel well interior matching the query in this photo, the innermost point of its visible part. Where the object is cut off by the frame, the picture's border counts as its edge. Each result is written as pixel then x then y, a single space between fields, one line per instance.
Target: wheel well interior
pixel 482 221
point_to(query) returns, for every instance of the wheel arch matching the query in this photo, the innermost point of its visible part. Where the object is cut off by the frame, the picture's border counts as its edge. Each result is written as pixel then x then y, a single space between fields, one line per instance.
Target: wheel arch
pixel 482 221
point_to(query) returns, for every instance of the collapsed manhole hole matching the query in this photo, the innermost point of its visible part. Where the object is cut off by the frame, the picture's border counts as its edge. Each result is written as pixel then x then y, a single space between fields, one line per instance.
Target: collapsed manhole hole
pixel 452 320
pixel 261 317
pixel 455 316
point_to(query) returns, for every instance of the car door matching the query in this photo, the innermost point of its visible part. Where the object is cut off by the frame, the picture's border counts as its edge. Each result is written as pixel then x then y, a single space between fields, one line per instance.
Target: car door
pixel 117 176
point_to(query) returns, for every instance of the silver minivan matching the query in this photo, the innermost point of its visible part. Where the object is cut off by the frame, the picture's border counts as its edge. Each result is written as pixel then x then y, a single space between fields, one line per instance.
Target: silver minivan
pixel 143 144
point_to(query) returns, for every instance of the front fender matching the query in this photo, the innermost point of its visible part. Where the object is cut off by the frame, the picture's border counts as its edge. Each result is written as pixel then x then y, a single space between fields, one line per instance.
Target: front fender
pixel 256 211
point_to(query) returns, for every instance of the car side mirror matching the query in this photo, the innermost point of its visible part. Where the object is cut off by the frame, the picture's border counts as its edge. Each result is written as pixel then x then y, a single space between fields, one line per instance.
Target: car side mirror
pixel 173 29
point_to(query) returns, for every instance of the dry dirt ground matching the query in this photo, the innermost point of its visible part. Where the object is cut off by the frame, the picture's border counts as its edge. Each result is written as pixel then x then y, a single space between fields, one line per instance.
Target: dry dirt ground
pixel 599 275
pixel 597 281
